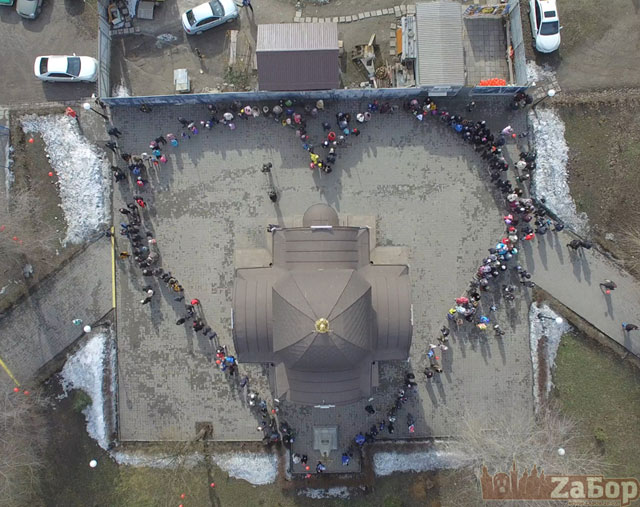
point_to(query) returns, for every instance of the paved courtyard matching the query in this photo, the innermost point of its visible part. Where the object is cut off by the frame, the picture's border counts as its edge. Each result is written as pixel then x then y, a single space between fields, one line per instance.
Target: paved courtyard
pixel 426 189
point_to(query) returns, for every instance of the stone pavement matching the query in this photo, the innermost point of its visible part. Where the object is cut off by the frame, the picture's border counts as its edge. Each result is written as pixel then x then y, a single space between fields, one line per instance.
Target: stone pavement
pixel 38 329
pixel 427 190
pixel 573 279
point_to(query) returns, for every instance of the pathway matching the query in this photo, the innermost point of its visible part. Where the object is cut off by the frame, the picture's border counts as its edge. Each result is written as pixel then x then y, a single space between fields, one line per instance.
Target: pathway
pixel 573 279
pixel 38 329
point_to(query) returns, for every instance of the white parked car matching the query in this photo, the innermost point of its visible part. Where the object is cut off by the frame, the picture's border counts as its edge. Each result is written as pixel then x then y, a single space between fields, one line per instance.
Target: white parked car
pixel 66 68
pixel 206 16
pixel 545 25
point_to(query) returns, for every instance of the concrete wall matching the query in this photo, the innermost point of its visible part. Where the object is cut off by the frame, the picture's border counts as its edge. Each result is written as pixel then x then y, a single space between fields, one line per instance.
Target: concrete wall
pixel 212 98
pixel 104 52
pixel 517 41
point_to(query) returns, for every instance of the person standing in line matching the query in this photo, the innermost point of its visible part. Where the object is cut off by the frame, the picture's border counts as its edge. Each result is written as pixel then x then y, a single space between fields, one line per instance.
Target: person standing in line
pixel 608 285
pixel 574 244
pixel 118 174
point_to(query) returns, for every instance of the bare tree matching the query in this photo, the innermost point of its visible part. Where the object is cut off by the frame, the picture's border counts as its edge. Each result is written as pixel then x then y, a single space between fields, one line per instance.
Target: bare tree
pixel 23 436
pixel 527 440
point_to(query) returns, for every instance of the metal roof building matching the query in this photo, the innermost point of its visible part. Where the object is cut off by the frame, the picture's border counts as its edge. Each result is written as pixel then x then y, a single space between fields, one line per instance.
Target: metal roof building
pixel 298 56
pixel 440 59
pixel 322 314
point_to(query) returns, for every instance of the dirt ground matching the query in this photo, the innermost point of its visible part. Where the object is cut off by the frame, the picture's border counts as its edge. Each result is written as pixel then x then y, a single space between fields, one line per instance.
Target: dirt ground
pixel 64 27
pixel 31 172
pixel 145 63
pixel 600 44
pixel 602 133
pixel 598 69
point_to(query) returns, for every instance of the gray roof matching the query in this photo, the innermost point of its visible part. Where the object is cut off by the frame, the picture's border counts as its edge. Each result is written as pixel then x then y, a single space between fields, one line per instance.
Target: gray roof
pixel 440 59
pixel 320 214
pixel 341 296
pixel 322 276
pixel 338 247
pixel 298 56
pixel 391 298
pixel 252 310
pixel 297 37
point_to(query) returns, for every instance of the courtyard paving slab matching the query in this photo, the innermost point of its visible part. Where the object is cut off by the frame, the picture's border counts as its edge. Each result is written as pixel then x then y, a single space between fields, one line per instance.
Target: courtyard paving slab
pixel 427 191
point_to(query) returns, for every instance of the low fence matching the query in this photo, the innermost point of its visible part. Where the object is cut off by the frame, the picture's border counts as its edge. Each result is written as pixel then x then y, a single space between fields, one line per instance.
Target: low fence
pixel 213 98
pixel 497 90
pixel 258 96
pixel 517 42
pixel 104 52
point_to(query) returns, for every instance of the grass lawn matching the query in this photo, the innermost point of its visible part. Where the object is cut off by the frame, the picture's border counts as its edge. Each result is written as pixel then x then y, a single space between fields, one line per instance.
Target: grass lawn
pixel 68 480
pixel 602 394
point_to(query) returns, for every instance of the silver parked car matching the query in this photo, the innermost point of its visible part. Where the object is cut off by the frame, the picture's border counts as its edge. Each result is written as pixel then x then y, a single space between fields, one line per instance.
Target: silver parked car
pixel 206 16
pixel 29 9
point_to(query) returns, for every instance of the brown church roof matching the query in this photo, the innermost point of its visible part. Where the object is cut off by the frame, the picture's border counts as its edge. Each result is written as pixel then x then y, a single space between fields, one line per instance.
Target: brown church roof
pixel 322 314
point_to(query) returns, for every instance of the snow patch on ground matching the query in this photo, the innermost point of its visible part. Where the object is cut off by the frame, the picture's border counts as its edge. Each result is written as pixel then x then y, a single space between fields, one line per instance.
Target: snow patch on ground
pixel 387 463
pixel 553 331
pixel 550 176
pixel 120 90
pixel 536 73
pixel 166 38
pixel 257 469
pixel 160 461
pixel 338 492
pixel 84 370
pixel 82 170
pixel 252 467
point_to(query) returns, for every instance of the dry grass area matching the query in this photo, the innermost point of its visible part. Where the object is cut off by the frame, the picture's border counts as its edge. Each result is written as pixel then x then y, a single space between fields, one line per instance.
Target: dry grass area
pixel 603 399
pixel 33 217
pixel 23 438
pixel 603 159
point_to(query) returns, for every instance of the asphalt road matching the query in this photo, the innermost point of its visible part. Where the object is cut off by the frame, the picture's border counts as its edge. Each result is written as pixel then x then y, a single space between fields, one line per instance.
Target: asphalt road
pixel 63 27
